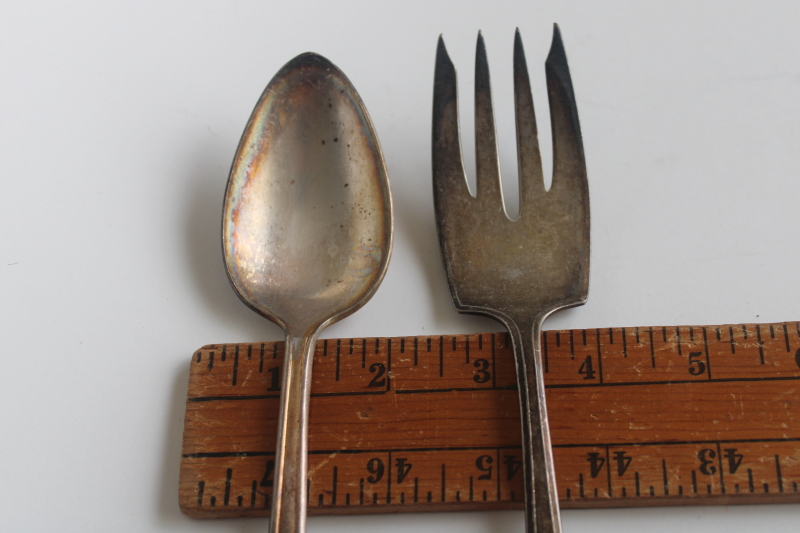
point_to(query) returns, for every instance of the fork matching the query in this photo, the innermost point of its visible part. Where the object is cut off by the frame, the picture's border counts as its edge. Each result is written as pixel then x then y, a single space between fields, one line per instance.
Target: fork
pixel 515 271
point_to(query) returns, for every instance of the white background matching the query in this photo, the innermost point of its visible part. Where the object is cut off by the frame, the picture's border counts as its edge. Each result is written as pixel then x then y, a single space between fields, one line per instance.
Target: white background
pixel 118 123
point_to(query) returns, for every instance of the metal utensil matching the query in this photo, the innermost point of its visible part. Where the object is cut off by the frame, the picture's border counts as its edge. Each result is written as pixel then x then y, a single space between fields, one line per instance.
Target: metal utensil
pixel 515 271
pixel 306 235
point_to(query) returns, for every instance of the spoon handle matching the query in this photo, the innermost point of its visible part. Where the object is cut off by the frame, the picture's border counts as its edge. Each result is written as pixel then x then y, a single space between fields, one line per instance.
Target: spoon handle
pixel 541 497
pixel 290 491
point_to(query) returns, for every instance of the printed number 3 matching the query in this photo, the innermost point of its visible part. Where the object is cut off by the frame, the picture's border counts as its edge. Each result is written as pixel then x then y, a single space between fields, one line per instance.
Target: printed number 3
pixel 482 375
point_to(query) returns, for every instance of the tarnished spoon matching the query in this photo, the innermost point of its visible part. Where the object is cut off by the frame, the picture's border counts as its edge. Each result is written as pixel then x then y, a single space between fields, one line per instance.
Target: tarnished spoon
pixel 306 235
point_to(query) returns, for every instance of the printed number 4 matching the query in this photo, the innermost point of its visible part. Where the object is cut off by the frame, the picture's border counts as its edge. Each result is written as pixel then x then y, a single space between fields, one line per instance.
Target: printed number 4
pixel 587 369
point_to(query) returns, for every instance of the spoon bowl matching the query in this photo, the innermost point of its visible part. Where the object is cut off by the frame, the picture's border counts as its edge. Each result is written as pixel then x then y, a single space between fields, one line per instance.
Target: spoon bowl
pixel 307 235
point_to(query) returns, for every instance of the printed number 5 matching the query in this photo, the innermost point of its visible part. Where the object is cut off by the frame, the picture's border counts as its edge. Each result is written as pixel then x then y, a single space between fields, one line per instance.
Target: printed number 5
pixel 696 366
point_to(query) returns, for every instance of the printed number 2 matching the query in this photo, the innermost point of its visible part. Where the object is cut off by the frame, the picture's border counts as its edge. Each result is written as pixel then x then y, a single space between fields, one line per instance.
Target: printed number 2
pixel 379 370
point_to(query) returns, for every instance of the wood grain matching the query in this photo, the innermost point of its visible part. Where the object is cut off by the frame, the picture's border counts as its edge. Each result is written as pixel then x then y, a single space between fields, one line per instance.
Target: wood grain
pixel 639 416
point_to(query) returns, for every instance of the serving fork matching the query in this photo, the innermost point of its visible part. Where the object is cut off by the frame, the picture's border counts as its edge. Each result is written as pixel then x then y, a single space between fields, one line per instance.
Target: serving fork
pixel 515 271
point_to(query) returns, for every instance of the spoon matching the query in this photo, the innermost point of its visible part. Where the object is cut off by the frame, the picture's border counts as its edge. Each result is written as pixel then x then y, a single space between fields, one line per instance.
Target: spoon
pixel 306 235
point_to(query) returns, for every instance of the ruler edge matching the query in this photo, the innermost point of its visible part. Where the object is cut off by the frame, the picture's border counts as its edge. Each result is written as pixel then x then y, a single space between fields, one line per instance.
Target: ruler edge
pixel 615 503
pixel 467 506
pixel 320 341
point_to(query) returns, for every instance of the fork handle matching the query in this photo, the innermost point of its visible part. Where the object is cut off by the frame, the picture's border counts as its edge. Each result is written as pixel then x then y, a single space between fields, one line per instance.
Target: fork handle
pixel 541 496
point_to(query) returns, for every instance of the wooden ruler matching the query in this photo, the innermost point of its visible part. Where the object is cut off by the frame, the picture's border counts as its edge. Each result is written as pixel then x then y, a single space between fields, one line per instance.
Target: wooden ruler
pixel 639 416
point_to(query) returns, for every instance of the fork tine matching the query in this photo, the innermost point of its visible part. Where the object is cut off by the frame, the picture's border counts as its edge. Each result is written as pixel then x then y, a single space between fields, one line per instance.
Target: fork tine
pixel 531 179
pixel 449 180
pixel 487 164
pixel 569 164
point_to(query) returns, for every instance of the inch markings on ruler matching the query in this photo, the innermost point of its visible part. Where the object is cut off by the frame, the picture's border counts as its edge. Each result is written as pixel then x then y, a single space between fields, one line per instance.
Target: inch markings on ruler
pixel 639 416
